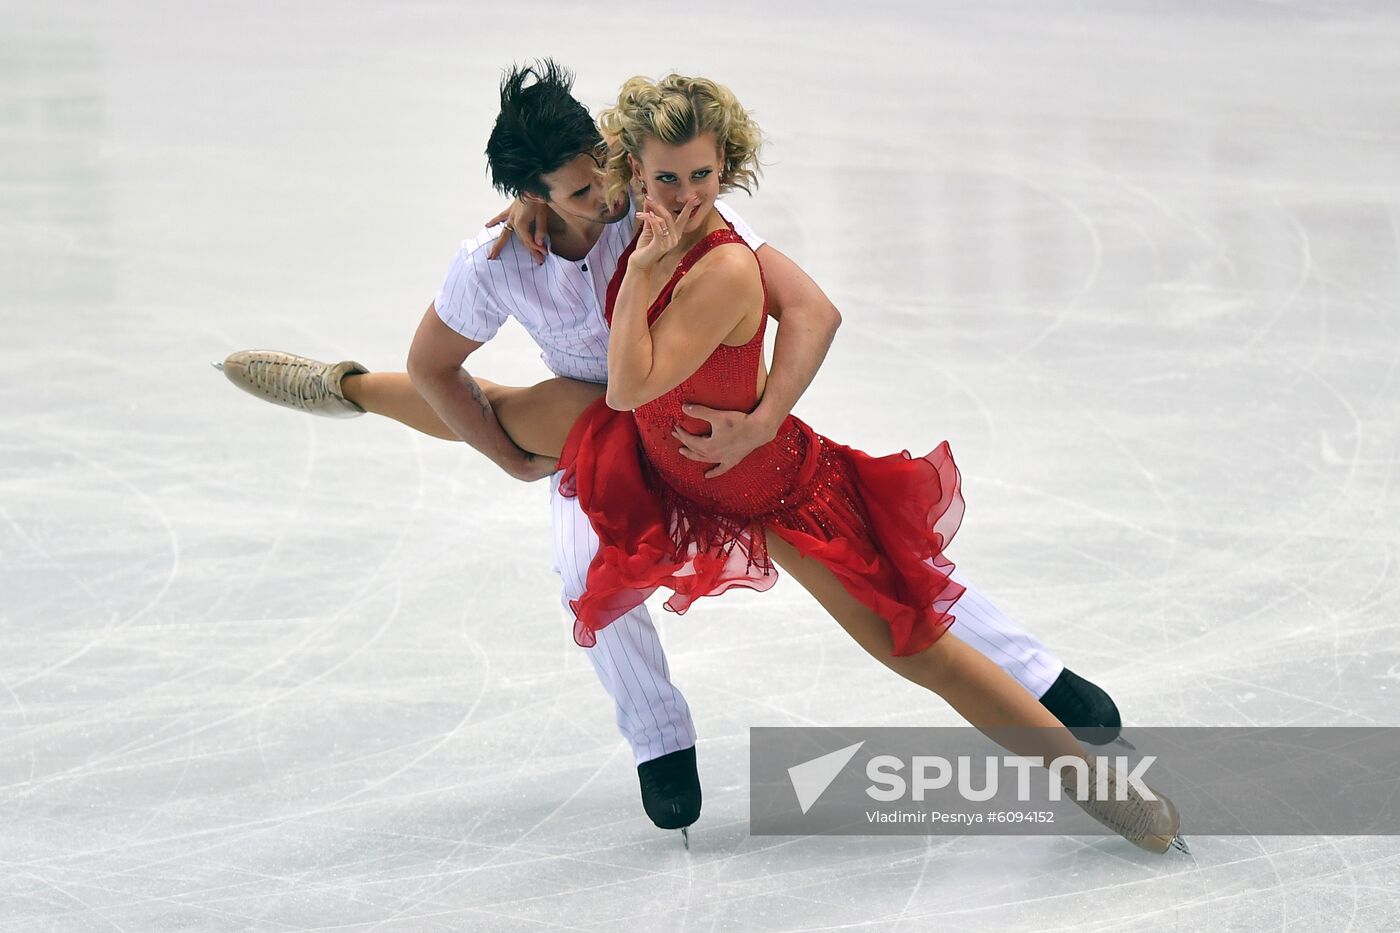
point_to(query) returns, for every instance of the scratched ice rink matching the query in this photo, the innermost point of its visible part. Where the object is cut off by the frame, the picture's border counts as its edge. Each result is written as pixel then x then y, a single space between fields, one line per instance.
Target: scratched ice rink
pixel 1139 263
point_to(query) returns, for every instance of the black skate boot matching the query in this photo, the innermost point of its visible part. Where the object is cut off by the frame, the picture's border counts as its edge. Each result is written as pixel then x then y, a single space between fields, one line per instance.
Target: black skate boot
pixel 671 790
pixel 1085 709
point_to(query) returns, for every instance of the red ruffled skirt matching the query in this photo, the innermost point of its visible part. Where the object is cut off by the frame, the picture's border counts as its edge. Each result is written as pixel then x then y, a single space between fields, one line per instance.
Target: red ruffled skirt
pixel 879 524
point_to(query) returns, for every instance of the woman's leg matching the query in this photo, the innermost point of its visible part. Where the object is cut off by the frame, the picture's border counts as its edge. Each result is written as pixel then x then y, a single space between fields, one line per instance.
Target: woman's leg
pixel 989 699
pixel 393 396
pixel 982 693
pixel 537 417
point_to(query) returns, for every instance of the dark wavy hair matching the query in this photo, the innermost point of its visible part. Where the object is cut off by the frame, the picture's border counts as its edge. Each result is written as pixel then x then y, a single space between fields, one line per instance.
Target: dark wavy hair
pixel 540 127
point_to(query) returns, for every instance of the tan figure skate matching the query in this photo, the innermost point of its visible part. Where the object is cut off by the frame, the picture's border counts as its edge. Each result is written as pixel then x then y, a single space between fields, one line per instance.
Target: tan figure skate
pixel 1153 825
pixel 293 381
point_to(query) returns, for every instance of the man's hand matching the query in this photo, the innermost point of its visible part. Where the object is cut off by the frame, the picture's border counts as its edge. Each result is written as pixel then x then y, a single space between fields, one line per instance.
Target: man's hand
pixel 527 220
pixel 733 436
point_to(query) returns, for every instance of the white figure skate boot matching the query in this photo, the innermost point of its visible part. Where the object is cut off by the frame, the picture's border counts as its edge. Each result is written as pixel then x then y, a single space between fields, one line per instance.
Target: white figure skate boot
pixel 293 381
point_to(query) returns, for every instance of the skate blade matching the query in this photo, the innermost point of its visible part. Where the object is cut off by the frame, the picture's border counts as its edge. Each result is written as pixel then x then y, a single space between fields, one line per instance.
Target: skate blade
pixel 1180 845
pixel 1125 743
pixel 685 837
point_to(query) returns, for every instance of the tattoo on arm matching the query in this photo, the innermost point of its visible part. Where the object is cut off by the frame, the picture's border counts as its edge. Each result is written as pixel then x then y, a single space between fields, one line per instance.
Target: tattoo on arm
pixel 480 397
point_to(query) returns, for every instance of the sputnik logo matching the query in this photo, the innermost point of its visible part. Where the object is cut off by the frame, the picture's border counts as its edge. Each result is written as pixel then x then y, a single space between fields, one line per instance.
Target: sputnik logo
pixel 811 778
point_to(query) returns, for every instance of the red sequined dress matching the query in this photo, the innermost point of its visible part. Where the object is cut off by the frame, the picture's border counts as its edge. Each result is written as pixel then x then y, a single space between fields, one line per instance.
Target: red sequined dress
pixel 880 524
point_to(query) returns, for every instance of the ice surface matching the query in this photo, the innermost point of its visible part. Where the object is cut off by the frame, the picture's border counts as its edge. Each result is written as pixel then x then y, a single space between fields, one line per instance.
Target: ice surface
pixel 1137 262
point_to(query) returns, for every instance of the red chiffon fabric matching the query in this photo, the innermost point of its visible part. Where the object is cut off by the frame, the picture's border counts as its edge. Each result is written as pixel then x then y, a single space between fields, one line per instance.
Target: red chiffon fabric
pixel 879 524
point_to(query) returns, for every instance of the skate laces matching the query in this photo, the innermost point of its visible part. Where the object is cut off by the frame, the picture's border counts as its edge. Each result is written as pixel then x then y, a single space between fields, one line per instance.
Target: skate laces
pixel 1131 818
pixel 293 382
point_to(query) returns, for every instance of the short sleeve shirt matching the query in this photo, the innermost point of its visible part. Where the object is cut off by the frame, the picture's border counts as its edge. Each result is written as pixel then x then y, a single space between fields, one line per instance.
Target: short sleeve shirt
pixel 559 302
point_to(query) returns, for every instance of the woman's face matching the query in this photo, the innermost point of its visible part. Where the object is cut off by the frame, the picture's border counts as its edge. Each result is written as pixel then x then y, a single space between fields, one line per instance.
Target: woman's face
pixel 672 175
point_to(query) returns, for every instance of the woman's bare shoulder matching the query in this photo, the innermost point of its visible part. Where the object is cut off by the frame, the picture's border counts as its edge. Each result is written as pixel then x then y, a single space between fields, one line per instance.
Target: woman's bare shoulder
pixel 731 266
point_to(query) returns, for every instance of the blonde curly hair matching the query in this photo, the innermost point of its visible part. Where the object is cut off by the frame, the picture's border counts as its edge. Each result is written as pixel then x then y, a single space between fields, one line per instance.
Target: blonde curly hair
pixel 675 110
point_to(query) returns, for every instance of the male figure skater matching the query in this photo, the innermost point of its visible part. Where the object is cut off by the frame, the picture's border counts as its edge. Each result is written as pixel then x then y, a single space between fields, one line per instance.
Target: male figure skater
pixel 545 150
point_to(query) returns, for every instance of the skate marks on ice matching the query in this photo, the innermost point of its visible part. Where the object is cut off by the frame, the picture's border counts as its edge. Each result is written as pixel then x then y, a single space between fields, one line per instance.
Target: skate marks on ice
pixel 270 672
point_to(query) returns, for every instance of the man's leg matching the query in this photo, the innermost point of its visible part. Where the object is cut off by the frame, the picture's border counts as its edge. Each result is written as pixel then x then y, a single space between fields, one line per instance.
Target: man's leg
pixel 986 628
pixel 652 715
pixel 1081 705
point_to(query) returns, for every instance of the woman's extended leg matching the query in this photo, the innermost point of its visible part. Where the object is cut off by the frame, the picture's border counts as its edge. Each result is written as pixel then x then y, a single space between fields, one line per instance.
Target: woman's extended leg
pixel 982 693
pixel 536 417
pixel 393 396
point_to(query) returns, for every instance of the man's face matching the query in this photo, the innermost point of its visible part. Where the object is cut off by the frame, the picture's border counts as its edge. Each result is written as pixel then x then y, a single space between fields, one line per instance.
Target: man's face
pixel 576 190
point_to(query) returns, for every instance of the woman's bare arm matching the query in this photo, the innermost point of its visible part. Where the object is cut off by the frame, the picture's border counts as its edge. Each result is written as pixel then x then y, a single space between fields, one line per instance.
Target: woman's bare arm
pixel 807 324
pixel 718 295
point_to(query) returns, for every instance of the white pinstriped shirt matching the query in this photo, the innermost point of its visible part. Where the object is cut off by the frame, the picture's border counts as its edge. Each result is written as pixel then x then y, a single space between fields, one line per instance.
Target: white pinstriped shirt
pixel 559 303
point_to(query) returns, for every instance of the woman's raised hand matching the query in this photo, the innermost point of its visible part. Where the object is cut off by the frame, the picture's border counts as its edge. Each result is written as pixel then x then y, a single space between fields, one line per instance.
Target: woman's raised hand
pixel 526 220
pixel 661 232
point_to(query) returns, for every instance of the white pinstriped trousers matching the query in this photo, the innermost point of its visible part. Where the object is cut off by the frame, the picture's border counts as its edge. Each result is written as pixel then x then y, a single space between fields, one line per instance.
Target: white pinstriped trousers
pixel 651 713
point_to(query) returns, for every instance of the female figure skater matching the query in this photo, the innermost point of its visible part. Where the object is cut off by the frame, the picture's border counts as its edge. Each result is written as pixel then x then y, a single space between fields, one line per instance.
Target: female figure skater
pixel 865 535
